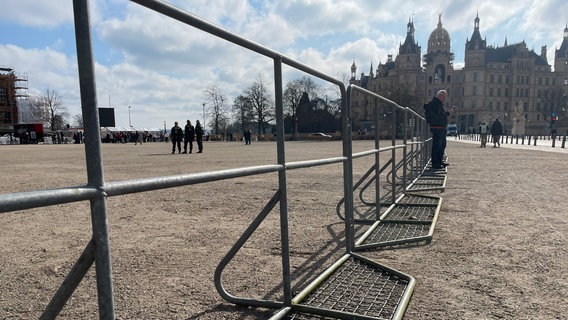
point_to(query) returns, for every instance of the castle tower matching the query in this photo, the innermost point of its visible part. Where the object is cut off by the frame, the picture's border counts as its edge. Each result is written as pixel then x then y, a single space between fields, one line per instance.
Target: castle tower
pixel 561 71
pixel 409 52
pixel 438 61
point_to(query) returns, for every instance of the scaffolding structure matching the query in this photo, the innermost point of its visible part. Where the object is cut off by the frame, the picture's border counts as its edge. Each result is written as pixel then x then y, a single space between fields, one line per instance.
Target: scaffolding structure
pixel 13 90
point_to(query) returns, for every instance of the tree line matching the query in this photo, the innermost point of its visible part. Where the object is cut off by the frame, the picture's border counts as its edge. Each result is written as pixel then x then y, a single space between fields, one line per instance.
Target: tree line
pixel 308 107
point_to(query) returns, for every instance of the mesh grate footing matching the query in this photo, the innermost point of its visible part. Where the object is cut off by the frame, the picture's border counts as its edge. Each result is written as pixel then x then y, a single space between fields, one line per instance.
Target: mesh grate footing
pixel 357 287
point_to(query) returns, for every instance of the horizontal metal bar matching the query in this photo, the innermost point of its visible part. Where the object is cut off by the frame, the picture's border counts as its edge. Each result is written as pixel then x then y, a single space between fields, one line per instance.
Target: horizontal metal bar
pixel 313 163
pixel 34 199
pixel 374 151
pixel 149 184
pixel 365 153
pixel 373 94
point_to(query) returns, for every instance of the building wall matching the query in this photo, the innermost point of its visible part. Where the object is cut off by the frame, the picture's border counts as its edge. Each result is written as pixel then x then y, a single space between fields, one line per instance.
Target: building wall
pixel 493 81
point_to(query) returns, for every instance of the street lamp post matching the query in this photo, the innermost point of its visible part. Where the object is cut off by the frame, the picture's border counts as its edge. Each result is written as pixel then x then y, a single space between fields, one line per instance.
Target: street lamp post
pixel 129 122
pixel 203 124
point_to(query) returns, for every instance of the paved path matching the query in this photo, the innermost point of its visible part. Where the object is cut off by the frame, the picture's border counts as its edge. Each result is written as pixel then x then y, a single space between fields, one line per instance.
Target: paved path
pixel 499 249
pixel 541 145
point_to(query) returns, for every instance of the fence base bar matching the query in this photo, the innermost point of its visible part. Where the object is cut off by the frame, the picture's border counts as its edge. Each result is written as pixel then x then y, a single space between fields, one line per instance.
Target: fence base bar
pixel 71 282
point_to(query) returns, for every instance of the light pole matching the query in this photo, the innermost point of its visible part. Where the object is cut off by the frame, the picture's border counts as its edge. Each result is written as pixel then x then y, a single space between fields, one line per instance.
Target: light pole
pixel 203 116
pixel 129 122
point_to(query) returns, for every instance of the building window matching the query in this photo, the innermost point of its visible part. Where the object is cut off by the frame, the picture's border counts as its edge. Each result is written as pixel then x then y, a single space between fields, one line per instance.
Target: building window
pixel 491 92
pixel 498 92
pixel 499 79
pixel 506 92
pixel 491 78
pixel 474 76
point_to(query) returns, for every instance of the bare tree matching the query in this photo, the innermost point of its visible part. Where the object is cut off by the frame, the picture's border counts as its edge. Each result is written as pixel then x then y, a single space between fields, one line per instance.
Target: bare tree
pixel 217 108
pixel 78 121
pixel 52 111
pixel 261 102
pixel 243 112
pixel 293 95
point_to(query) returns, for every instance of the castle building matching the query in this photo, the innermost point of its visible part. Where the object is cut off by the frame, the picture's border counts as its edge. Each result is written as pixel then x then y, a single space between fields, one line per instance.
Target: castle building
pixel 494 81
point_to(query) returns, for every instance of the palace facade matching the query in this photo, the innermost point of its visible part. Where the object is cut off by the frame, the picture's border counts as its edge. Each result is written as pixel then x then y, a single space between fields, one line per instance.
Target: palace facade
pixel 506 82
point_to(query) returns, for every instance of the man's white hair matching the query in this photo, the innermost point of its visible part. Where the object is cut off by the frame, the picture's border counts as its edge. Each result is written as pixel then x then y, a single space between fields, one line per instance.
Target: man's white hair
pixel 441 92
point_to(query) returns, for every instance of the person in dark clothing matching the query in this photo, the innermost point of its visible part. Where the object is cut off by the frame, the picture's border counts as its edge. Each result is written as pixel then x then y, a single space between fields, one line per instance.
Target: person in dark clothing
pixel 247 135
pixel 437 118
pixel 199 136
pixel 189 136
pixel 176 135
pixel 137 138
pixel 496 132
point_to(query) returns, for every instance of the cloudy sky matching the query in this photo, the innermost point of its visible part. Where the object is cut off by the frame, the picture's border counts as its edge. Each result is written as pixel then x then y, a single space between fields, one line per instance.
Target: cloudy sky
pixel 161 67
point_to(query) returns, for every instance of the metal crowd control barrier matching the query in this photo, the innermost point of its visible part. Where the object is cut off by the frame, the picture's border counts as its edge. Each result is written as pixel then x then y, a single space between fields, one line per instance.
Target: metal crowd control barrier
pixel 396 209
pixel 352 288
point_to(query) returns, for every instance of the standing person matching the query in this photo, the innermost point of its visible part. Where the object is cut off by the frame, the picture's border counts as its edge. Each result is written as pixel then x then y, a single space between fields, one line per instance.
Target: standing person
pixel 176 135
pixel 496 132
pixel 199 136
pixel 189 136
pixel 248 136
pixel 437 117
pixel 483 131
pixel 137 138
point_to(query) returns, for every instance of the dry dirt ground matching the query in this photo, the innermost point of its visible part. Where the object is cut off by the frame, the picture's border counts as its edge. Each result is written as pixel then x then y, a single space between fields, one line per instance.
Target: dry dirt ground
pixel 498 252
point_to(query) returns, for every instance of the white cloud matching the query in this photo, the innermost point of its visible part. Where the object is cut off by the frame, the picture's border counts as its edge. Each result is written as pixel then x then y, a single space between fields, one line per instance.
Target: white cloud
pixel 36 13
pixel 161 67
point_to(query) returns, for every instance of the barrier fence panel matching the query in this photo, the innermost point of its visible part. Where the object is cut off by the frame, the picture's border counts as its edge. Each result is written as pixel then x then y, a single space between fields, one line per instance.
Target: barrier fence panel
pixel 405 160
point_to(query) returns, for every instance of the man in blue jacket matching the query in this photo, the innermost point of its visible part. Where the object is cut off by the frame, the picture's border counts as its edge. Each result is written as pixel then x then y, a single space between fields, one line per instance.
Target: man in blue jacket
pixel 437 118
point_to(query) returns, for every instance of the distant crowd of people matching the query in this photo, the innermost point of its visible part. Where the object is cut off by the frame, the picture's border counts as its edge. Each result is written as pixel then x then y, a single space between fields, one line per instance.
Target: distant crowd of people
pixel 136 137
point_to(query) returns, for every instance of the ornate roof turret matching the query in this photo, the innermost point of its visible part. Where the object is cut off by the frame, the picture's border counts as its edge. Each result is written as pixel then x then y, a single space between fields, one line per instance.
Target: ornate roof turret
pixel 353 70
pixel 562 52
pixel 409 46
pixel 476 43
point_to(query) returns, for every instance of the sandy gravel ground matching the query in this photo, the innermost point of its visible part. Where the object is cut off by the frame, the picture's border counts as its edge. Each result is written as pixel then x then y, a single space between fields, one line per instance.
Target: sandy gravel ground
pixel 498 252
